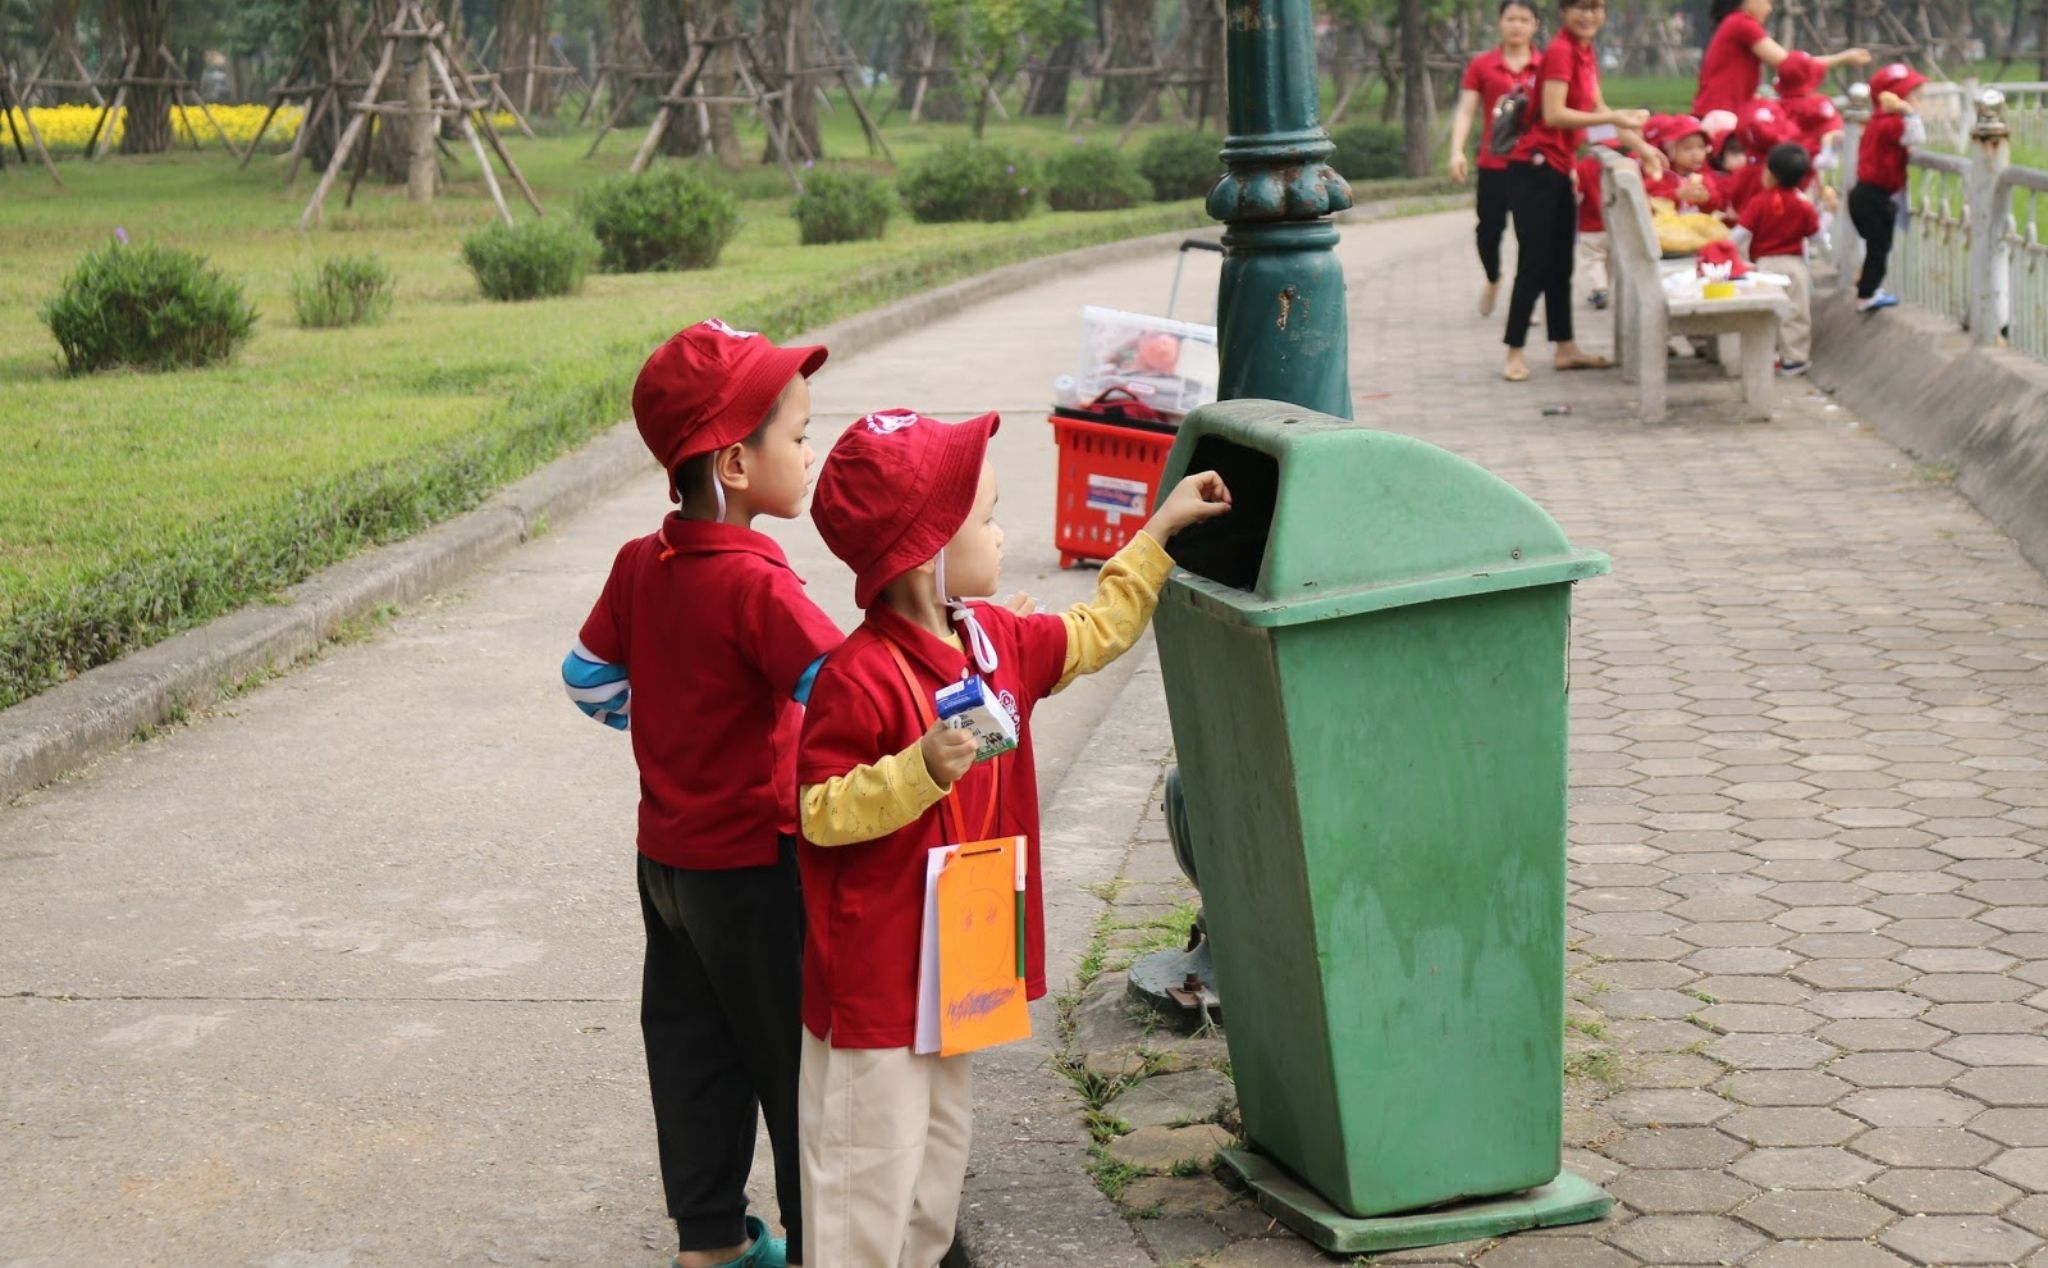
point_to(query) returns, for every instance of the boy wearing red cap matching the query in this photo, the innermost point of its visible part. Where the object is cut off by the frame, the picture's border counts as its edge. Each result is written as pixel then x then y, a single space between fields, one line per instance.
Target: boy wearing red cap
pixel 1888 139
pixel 1800 76
pixel 909 504
pixel 702 646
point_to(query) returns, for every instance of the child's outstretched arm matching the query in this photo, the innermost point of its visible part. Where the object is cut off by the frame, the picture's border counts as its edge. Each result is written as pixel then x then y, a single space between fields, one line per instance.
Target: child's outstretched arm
pixel 871 801
pixel 598 687
pixel 1106 626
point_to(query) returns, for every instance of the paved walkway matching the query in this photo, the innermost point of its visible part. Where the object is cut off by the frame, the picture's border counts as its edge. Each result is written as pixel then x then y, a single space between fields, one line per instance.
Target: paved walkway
pixel 344 975
pixel 1809 819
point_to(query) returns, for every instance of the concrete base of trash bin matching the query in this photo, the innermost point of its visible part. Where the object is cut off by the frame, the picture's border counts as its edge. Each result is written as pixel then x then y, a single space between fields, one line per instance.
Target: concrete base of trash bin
pixel 1569 1199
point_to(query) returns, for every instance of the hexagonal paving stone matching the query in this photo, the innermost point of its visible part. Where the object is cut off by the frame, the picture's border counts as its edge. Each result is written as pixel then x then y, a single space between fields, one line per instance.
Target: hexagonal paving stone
pixel 1997 1050
pixel 1925 1147
pixel 1883 1034
pixel 1789 1126
pixel 1550 1252
pixel 1895 1069
pixel 1845 946
pixel 1804 1168
pixel 1988 1019
pixel 1686 1239
pixel 1737 988
pixel 1662 1004
pixel 1666 1107
pixel 1815 1214
pixel 2030 1214
pixel 1741 960
pixel 1853 975
pixel 1867 1004
pixel 1825 1255
pixel 1674 1069
pixel 2005 1085
pixel 1911 1107
pixel 1682 1148
pixel 1770 1052
pixel 2027 1168
pixel 1784 1087
pixel 1952 1191
pixel 1759 1018
pixel 2013 1126
pixel 1959 1239
pixel 1941 933
pixel 1641 975
pixel 1831 920
pixel 1969 988
pixel 1681 1192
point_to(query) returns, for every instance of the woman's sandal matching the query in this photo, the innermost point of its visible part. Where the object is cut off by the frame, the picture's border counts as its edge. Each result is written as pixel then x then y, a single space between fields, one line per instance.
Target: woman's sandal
pixel 1516 374
pixel 1586 363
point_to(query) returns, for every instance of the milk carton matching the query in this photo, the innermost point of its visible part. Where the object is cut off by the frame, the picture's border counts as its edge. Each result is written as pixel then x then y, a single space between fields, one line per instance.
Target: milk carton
pixel 970 705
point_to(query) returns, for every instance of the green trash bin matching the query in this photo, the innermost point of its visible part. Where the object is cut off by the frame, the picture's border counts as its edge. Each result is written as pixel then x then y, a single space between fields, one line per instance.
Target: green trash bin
pixel 1366 666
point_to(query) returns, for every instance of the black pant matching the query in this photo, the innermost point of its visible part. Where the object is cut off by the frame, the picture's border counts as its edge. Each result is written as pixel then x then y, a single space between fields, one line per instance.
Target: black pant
pixel 1875 216
pixel 720 1001
pixel 1547 241
pixel 1493 219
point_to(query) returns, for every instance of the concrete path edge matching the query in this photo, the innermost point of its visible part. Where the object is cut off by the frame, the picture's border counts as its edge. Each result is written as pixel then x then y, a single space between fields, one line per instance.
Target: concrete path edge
pixel 74 722
pixel 1916 378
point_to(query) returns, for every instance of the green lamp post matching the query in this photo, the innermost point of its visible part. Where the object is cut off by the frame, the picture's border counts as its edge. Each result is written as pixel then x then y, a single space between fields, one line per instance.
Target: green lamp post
pixel 1280 307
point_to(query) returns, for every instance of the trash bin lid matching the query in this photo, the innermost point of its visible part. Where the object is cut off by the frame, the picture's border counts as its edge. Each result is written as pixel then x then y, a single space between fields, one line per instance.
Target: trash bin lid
pixel 1331 519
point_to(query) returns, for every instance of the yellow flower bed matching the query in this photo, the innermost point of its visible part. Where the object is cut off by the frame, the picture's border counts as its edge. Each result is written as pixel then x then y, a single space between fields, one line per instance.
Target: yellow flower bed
pixel 70 127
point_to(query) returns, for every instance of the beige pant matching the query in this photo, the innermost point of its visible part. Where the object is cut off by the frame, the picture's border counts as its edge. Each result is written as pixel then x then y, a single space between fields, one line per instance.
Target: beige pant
pixel 883 1136
pixel 1593 259
pixel 1795 333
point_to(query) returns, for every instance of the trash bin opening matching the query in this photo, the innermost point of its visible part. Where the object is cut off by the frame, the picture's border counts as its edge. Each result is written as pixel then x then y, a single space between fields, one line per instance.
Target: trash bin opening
pixel 1231 550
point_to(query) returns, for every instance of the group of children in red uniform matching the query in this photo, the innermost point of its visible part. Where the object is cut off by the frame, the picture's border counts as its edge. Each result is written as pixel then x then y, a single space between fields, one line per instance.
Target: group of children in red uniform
pixel 792 784
pixel 1755 169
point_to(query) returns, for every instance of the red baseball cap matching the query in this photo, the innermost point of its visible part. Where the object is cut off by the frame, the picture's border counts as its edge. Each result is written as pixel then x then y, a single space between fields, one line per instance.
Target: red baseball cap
pixel 895 489
pixel 1761 125
pixel 1667 130
pixel 1897 77
pixel 710 386
pixel 1799 73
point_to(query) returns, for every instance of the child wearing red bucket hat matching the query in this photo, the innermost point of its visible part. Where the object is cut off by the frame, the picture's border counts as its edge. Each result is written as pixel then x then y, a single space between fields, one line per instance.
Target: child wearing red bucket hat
pixel 909 504
pixel 702 647
pixel 1888 139
pixel 1800 76
pixel 1685 179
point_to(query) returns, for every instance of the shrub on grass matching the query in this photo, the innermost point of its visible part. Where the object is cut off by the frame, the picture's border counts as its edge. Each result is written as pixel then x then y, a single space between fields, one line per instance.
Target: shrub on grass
pixel 1093 178
pixel 146 307
pixel 531 261
pixel 659 222
pixel 843 207
pixel 345 290
pixel 1369 152
pixel 963 181
pixel 1181 164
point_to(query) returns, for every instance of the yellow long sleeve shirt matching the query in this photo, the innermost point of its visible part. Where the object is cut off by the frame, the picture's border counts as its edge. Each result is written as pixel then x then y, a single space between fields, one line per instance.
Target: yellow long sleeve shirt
pixel 872 801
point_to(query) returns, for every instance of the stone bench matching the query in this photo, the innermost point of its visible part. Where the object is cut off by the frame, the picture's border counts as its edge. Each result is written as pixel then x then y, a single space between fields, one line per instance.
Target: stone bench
pixel 1645 317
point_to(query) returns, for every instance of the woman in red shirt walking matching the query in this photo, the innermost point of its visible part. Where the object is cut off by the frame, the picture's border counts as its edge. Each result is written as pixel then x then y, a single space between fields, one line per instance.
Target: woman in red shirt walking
pixel 1733 66
pixel 1491 76
pixel 1543 193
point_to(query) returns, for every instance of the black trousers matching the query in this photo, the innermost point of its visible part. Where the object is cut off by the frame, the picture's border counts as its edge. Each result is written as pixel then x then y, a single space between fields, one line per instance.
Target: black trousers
pixel 1547 239
pixel 720 1000
pixel 1876 217
pixel 1493 219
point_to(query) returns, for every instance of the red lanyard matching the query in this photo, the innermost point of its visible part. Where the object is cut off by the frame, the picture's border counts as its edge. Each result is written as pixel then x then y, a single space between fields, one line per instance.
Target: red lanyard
pixel 950 807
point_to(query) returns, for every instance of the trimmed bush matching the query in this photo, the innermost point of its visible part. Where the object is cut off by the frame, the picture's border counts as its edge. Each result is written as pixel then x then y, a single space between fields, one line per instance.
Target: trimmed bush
pixel 964 181
pixel 1369 152
pixel 532 261
pixel 659 222
pixel 1093 178
pixel 1181 164
pixel 843 207
pixel 149 308
pixel 345 290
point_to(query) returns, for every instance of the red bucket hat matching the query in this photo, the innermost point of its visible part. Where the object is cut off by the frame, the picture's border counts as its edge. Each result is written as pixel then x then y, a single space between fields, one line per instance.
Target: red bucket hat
pixel 1897 77
pixel 710 386
pixel 895 489
pixel 1670 129
pixel 1800 73
pixel 1762 125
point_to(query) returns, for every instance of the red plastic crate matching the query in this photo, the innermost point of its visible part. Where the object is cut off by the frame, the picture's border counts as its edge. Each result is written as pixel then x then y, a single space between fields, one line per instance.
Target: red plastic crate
pixel 1108 479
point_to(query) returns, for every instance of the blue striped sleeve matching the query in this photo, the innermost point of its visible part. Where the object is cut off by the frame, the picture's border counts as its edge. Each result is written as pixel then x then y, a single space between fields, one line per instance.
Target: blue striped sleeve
pixel 802 694
pixel 598 687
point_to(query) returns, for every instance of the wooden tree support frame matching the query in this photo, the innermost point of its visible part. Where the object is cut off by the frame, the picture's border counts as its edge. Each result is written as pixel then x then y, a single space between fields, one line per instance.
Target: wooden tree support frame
pixel 686 92
pixel 453 95
pixel 164 73
pixel 9 104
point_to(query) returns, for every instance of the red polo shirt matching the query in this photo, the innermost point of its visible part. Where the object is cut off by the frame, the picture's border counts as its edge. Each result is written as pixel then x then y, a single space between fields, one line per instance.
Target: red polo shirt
pixel 1730 70
pixel 864 903
pixel 1572 63
pixel 714 638
pixel 1592 211
pixel 1490 76
pixel 1881 159
pixel 1779 222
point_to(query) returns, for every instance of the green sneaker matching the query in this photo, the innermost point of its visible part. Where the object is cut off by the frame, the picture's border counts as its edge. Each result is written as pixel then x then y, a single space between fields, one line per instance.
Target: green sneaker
pixel 767 1252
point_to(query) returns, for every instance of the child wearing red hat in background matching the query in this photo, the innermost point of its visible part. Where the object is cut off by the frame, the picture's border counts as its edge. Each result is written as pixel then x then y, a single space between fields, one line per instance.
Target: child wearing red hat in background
pixel 1774 229
pixel 1800 76
pixel 1760 127
pixel 1684 181
pixel 909 504
pixel 1592 246
pixel 702 646
pixel 1888 140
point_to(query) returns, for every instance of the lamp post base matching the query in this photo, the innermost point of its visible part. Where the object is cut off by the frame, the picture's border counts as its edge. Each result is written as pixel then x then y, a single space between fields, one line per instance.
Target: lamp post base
pixel 1568 1199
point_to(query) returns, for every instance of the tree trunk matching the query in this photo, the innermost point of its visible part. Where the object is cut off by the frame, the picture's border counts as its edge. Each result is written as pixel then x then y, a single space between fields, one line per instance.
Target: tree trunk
pixel 523 29
pixel 786 26
pixel 1051 86
pixel 1415 86
pixel 146 25
pixel 423 165
pixel 1136 46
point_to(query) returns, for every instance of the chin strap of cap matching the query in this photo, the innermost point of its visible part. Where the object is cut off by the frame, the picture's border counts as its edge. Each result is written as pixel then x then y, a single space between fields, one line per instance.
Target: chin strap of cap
pixel 980 649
